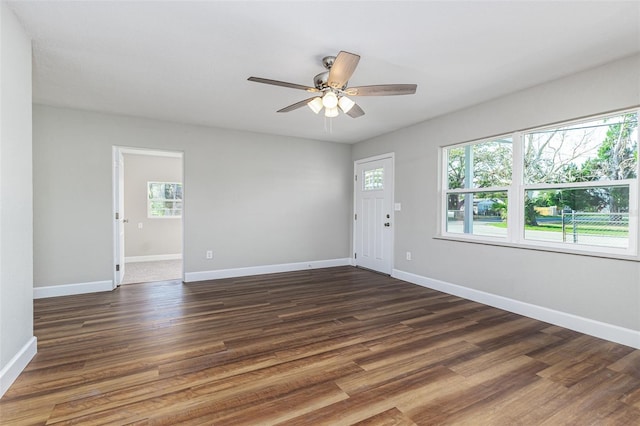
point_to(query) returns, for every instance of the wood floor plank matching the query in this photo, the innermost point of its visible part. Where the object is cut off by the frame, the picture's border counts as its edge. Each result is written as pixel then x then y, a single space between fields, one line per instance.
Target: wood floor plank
pixel 391 417
pixel 335 346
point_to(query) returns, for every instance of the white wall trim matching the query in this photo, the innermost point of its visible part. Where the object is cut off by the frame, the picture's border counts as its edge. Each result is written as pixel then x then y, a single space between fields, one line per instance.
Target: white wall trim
pixel 14 367
pixel 151 152
pixel 71 289
pixel 153 258
pixel 265 269
pixel 588 326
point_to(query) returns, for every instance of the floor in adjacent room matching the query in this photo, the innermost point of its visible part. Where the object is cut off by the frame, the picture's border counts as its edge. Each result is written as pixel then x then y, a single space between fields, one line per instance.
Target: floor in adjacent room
pixel 335 346
pixel 160 270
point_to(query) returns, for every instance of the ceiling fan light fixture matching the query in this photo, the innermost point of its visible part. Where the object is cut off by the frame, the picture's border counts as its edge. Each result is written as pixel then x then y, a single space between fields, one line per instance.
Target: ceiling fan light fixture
pixel 331 112
pixel 330 100
pixel 315 104
pixel 331 86
pixel 345 104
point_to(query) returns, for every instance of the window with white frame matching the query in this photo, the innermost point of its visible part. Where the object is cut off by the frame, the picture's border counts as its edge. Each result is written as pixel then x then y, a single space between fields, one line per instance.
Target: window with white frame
pixel 164 199
pixel 568 186
pixel 478 177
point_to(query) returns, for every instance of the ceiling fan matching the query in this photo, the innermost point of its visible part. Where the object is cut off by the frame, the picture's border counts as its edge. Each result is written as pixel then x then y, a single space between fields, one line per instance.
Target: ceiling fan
pixel 331 88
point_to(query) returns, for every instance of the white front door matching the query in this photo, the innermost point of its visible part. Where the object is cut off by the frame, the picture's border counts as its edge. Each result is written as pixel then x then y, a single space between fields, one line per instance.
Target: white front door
pixel 374 214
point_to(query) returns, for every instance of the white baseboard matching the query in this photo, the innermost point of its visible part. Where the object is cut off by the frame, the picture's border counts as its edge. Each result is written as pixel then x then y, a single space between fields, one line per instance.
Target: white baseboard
pixel 588 326
pixel 70 289
pixel 14 367
pixel 152 258
pixel 265 269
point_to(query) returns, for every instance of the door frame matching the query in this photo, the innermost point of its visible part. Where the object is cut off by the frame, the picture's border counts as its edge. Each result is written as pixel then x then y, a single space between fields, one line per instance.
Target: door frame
pixel 392 156
pixel 116 152
pixel 117 168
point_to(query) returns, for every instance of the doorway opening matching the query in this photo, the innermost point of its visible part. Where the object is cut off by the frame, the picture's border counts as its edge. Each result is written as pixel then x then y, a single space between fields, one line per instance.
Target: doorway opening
pixel 148 204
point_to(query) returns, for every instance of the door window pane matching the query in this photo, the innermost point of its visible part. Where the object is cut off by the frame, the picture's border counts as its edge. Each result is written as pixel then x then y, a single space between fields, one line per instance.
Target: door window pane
pixel 373 179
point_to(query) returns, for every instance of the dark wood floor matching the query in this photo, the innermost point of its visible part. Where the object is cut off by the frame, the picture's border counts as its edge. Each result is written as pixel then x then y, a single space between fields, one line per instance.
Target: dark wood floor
pixel 333 346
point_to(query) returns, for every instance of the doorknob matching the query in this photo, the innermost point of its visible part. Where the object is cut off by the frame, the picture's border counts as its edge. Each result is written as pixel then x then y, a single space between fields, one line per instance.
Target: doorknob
pixel 387 224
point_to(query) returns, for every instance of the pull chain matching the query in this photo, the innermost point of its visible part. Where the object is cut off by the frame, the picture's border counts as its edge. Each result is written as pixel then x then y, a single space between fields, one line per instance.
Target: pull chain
pixel 330 127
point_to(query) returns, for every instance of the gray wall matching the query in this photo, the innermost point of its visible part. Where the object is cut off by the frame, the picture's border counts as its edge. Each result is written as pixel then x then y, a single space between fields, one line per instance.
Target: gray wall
pixel 158 236
pixel 253 199
pixel 16 226
pixel 604 290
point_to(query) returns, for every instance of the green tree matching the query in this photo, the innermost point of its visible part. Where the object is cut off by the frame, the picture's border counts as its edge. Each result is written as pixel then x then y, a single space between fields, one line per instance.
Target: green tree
pixel 617 160
pixel 491 167
pixel 530 216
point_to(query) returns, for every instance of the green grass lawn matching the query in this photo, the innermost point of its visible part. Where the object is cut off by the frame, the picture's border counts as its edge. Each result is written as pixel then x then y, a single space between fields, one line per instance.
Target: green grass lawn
pixel 589 229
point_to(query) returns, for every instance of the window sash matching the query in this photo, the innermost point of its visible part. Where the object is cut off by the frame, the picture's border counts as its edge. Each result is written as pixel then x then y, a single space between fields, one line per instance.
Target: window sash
pixel 588 184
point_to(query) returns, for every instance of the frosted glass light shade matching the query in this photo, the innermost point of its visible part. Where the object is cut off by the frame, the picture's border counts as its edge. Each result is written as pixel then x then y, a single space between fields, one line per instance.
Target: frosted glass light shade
pixel 315 104
pixel 331 112
pixel 330 100
pixel 345 104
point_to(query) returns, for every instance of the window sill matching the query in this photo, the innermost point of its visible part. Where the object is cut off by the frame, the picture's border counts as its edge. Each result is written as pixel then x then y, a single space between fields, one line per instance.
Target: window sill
pixel 535 247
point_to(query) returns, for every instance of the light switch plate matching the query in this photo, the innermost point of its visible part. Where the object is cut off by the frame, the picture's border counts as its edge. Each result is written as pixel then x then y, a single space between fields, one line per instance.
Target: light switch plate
pixel 397 207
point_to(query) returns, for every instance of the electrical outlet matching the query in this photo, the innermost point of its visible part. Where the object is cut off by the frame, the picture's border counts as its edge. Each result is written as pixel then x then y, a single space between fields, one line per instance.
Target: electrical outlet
pixel 408 255
pixel 209 254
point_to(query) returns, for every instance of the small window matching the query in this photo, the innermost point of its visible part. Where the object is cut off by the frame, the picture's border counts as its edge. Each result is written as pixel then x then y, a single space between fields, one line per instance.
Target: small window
pixel 373 179
pixel 164 199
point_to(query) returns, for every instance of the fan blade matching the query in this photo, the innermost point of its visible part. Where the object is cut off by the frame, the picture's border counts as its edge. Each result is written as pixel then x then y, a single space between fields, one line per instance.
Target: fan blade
pixel 342 69
pixel 296 105
pixel 382 90
pixel 355 111
pixel 283 84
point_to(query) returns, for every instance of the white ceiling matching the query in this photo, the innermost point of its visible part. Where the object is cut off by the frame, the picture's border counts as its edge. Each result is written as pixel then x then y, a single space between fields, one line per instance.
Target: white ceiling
pixel 188 61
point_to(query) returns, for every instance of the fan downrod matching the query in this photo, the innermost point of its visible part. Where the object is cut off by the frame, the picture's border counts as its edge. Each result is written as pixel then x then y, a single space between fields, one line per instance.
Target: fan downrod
pixel 328 61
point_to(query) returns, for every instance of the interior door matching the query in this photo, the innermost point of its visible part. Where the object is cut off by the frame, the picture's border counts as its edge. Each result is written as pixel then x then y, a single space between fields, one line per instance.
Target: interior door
pixel 119 216
pixel 374 214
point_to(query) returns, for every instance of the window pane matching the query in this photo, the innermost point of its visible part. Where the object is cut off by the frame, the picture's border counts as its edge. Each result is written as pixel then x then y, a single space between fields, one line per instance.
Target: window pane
pixel 170 191
pixel 373 179
pixel 603 149
pixel 156 190
pixel 156 208
pixel 456 167
pixel 487 218
pixel 597 216
pixel 491 164
pixel 165 199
